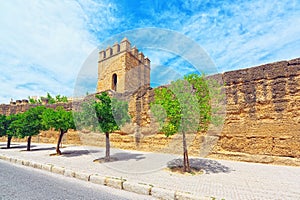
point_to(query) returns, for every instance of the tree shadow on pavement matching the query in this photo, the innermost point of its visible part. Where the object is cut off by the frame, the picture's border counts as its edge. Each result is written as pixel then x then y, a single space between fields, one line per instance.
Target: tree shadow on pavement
pixel 128 156
pixel 17 147
pixel 43 149
pixel 75 153
pixel 209 166
pixel 121 157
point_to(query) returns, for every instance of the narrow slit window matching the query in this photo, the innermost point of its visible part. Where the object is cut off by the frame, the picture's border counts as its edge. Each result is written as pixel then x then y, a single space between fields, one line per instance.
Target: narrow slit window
pixel 114 82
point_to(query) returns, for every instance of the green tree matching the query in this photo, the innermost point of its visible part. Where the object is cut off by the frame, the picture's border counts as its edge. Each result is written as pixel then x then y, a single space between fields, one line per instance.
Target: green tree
pixel 51 100
pixel 28 124
pixel 108 113
pixel 59 119
pixel 31 100
pixel 86 119
pixel 187 106
pixel 105 115
pixel 62 99
pixel 5 129
pixel 34 101
pixel 3 126
pixel 4 123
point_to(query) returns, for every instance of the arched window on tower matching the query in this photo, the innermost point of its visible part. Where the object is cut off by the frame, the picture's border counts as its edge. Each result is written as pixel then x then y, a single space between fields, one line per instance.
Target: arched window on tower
pixel 114 82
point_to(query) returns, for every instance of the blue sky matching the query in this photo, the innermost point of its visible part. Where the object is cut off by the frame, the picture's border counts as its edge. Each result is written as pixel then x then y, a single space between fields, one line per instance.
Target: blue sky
pixel 43 44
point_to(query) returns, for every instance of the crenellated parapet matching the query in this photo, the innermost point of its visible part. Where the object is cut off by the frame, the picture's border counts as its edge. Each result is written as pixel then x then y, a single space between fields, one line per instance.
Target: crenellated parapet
pixel 19 102
pixel 20 106
pixel 122 68
pixel 124 46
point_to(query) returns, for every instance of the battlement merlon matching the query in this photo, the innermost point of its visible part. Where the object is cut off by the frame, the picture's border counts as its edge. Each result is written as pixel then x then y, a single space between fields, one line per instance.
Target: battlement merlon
pixel 124 46
pixel 147 61
pixel 19 102
pixel 116 48
pixel 108 52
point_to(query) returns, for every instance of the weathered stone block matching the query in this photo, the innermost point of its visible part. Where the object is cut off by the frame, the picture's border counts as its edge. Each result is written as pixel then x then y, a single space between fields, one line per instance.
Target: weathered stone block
pixel 115 182
pixel 47 167
pixel 57 170
pixel 139 188
pixel 19 162
pixel 101 180
pixel 69 173
pixel 82 176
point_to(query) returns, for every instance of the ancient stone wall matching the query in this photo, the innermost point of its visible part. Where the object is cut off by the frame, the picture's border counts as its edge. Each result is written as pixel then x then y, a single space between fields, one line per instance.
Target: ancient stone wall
pixel 262 121
pixel 263 110
pixel 50 136
pixel 14 108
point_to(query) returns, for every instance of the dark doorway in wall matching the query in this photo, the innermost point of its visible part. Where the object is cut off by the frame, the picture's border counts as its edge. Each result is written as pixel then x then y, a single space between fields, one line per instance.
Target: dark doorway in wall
pixel 114 82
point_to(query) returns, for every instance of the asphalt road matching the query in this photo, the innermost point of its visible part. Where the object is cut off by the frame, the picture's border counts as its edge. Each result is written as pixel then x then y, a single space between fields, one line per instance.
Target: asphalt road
pixel 19 182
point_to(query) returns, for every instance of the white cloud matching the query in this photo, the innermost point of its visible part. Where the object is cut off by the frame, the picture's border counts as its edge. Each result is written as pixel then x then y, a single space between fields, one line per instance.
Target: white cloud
pixel 235 34
pixel 43 43
pixel 248 33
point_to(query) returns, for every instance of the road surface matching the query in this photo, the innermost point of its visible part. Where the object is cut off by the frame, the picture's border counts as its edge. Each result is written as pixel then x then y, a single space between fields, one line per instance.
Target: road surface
pixel 19 182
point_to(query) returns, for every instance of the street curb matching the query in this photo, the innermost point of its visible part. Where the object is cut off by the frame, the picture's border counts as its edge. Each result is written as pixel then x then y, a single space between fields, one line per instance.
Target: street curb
pixel 114 182
pixel 47 167
pixel 58 170
pixel 82 176
pixel 100 180
pixel 69 173
pixel 139 188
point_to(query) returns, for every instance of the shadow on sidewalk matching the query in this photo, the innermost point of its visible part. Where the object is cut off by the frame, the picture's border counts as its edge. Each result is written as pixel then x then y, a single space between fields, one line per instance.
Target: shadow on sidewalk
pixel 128 156
pixel 75 153
pixel 43 149
pixel 18 147
pixel 122 157
pixel 209 166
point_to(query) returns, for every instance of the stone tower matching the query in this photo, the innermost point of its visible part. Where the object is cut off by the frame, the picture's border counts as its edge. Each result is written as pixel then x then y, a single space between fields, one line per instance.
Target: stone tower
pixel 122 68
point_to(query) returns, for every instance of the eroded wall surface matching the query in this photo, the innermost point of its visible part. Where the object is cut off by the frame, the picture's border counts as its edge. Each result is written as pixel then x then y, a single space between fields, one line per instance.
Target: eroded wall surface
pixel 263 110
pixel 262 118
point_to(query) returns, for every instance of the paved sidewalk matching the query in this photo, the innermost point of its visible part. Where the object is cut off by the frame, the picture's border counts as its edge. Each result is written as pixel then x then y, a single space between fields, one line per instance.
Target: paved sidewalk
pixel 135 170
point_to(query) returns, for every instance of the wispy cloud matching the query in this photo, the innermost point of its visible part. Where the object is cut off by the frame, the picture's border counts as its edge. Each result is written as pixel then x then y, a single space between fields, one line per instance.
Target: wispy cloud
pixel 235 34
pixel 247 33
pixel 44 44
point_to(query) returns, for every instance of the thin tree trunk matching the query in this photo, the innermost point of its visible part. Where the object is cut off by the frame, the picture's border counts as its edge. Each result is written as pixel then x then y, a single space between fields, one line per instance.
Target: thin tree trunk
pixel 107 153
pixel 186 163
pixel 8 141
pixel 58 152
pixel 28 143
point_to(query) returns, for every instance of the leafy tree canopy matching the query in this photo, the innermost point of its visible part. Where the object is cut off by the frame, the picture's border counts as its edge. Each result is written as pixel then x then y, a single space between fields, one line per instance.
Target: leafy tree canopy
pixel 106 121
pixel 105 114
pixel 51 100
pixel 186 104
pixel 3 125
pixel 183 107
pixel 29 122
pixel 6 129
pixel 9 119
pixel 59 119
